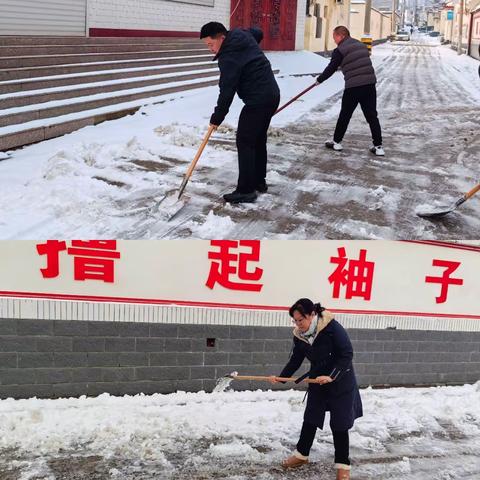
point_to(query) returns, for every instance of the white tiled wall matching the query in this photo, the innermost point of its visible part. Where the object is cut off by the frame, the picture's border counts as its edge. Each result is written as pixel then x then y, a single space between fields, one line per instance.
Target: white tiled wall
pixel 41 309
pixel 169 15
pixel 155 14
pixel 301 17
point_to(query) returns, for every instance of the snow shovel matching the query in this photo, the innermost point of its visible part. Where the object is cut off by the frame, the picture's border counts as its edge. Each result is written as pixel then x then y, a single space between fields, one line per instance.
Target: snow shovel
pixel 303 92
pixel 442 211
pixel 224 382
pixel 266 379
pixel 170 203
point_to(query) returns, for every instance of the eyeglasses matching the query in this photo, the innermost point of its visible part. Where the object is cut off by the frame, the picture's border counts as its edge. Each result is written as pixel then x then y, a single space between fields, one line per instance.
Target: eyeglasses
pixel 298 321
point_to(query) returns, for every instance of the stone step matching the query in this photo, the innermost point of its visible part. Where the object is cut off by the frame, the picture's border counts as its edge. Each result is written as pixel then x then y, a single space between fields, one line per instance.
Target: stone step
pixel 61 93
pixel 23 85
pixel 61 126
pixel 47 60
pixel 121 47
pixel 25 114
pixel 62 40
pixel 9 74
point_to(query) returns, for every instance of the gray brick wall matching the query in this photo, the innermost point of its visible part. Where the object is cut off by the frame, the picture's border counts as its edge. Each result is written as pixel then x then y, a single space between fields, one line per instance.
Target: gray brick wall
pixel 45 358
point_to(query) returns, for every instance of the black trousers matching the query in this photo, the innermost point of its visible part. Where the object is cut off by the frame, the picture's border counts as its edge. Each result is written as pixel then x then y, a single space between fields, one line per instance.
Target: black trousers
pixel 252 145
pixel 366 96
pixel 340 442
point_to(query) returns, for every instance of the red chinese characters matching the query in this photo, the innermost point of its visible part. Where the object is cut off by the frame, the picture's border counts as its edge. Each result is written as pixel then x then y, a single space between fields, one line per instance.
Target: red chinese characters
pixel 92 259
pixel 355 275
pixel 229 263
pixel 445 280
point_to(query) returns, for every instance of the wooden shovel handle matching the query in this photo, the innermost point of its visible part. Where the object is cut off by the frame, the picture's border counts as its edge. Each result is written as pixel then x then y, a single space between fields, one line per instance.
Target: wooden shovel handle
pixel 472 192
pixel 296 97
pixel 266 379
pixel 210 130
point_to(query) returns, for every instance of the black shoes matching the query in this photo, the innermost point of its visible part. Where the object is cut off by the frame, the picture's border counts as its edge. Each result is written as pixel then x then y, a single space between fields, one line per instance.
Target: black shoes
pixel 262 187
pixel 238 197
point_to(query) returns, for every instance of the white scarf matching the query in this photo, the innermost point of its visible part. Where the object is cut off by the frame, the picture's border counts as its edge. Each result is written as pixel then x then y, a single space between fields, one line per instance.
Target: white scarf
pixel 310 334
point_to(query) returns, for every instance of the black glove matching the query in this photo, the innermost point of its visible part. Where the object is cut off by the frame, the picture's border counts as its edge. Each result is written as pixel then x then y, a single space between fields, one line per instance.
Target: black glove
pixel 319 79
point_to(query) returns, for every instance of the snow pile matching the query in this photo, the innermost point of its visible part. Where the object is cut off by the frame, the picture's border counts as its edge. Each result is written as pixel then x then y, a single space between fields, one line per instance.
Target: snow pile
pixel 404 434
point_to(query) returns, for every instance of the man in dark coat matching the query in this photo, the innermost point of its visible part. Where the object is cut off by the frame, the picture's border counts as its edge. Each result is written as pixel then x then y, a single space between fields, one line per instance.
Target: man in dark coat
pixel 353 58
pixel 245 70
pixel 325 343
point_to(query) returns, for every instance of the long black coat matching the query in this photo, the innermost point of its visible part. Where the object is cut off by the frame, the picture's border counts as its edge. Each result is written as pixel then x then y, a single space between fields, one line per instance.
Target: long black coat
pixel 244 69
pixel 330 354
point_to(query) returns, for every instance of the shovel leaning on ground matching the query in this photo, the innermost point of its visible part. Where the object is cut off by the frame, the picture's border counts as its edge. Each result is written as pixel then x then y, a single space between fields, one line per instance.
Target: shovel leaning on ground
pixel 170 203
pixel 442 211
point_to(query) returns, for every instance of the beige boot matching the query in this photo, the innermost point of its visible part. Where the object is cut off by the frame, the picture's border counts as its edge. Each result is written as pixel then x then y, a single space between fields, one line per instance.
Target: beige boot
pixel 296 460
pixel 343 471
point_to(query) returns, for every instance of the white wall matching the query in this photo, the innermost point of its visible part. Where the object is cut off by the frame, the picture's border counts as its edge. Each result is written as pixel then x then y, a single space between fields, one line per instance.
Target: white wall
pixel 37 309
pixel 155 15
pixel 169 15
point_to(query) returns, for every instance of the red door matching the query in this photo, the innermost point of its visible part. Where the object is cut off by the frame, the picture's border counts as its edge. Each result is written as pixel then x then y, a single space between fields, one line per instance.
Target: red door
pixel 277 19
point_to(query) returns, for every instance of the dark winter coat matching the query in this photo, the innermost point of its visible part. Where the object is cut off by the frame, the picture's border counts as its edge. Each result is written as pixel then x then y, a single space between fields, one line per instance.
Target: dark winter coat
pixel 330 354
pixel 244 69
pixel 353 58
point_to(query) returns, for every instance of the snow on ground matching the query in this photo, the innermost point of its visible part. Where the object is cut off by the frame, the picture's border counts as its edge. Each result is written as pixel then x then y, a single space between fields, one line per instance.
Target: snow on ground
pixel 73 185
pixel 107 181
pixel 427 433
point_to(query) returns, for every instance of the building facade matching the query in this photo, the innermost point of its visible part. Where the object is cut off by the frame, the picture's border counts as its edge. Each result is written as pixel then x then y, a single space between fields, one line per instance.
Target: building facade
pixel 380 23
pixel 322 17
pixel 283 21
pixel 474 30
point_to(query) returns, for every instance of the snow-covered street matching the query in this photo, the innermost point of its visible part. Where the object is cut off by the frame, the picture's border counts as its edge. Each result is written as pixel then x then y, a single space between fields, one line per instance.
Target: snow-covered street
pixel 106 181
pixel 422 433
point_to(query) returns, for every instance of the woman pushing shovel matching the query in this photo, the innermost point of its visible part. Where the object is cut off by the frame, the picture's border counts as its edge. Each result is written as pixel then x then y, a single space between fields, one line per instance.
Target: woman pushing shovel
pixel 318 337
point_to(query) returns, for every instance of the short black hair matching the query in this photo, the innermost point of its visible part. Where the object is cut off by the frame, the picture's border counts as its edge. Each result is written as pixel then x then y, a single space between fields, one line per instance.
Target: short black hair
pixel 341 30
pixel 212 29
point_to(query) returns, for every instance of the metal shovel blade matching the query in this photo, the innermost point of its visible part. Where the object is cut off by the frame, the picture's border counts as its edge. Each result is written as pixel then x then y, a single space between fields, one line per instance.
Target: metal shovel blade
pixel 435 214
pixel 439 212
pixel 170 205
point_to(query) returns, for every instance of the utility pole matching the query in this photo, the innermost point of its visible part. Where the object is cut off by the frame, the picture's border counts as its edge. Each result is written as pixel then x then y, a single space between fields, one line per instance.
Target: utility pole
pixel 460 27
pixel 394 20
pixel 368 14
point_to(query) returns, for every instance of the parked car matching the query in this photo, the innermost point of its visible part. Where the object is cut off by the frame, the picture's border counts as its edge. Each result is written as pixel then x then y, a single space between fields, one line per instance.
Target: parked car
pixel 402 35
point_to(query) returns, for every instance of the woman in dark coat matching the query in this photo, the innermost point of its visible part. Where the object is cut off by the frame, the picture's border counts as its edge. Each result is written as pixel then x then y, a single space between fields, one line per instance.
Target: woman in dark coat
pixel 318 337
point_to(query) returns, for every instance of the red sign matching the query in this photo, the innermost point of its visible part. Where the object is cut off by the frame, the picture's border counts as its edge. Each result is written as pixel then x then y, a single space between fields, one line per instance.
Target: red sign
pixel 92 259
pixel 445 280
pixel 227 264
pixel 355 275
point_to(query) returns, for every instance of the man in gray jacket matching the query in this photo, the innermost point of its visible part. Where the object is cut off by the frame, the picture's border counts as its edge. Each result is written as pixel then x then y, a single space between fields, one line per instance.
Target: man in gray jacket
pixel 353 58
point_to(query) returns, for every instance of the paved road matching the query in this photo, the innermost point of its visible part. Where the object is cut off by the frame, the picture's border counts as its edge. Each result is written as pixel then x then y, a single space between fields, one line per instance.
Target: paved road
pixel 430 122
